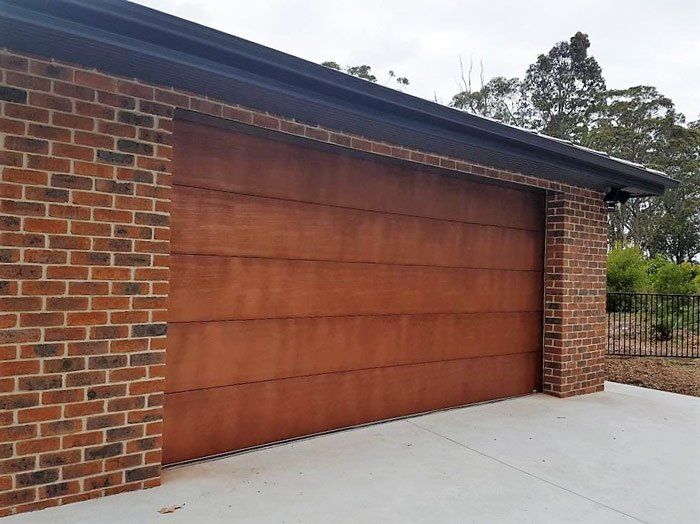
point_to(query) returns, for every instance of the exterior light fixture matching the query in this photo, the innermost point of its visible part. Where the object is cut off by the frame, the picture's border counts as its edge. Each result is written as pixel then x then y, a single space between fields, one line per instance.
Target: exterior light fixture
pixel 615 196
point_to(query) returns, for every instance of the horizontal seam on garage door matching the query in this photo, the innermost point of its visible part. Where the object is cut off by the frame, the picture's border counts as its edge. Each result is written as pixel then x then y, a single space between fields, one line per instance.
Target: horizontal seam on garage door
pixel 357 315
pixel 353 262
pixel 361 209
pixel 535 352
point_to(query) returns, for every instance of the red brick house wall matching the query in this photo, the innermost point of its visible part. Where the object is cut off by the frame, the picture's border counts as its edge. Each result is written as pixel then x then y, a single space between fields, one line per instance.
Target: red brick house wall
pixel 84 225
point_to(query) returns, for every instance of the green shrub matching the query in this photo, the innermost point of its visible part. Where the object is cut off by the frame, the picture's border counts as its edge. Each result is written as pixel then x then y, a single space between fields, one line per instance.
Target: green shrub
pixel 676 279
pixel 655 264
pixel 627 270
pixel 662 327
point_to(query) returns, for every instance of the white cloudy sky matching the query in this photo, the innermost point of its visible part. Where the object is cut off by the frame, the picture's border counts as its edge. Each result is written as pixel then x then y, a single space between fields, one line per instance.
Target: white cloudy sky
pixel 653 42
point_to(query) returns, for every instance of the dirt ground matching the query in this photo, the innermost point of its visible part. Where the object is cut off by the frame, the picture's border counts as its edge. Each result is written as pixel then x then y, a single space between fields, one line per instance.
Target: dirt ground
pixel 667 374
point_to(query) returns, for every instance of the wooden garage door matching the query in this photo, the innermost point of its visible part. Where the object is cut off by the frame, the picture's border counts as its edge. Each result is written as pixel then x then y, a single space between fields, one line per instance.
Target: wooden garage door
pixel 312 290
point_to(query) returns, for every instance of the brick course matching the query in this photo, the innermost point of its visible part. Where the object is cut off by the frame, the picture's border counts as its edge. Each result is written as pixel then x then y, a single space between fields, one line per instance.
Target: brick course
pixel 84 225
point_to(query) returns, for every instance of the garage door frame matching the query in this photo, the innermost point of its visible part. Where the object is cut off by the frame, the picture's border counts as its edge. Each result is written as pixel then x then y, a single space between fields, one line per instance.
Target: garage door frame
pixel 281 136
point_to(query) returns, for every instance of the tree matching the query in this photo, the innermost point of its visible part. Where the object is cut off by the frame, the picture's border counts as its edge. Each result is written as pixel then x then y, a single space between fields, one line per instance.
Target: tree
pixel 332 65
pixel 671 224
pixel 365 72
pixel 401 80
pixel 635 123
pixel 641 125
pixel 361 71
pixel 564 88
pixel 500 98
pixel 559 96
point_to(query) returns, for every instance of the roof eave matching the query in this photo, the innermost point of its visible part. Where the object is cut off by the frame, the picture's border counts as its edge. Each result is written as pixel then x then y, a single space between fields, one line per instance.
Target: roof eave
pixel 219 65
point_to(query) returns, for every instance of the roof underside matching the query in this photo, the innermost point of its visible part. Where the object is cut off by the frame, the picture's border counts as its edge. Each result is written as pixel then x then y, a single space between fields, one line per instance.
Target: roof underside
pixel 135 41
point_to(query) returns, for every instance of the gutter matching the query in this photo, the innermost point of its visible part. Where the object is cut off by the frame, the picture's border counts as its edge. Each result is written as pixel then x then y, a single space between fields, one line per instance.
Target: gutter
pixel 131 40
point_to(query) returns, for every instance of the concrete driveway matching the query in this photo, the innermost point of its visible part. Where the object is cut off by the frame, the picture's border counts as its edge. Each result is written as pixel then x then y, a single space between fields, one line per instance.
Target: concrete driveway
pixel 625 455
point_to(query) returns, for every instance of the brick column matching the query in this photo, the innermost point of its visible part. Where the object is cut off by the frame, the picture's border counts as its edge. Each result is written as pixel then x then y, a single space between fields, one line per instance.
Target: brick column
pixel 84 224
pixel 575 322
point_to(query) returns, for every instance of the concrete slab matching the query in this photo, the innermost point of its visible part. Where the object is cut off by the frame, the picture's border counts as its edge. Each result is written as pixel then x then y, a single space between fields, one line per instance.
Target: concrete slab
pixel 636 450
pixel 625 455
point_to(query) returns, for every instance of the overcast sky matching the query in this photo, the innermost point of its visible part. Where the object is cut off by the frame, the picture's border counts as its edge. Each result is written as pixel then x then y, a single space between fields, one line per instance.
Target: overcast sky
pixel 654 42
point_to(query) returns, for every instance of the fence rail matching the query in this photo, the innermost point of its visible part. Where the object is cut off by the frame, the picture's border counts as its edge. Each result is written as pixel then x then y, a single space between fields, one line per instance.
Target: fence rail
pixel 649 324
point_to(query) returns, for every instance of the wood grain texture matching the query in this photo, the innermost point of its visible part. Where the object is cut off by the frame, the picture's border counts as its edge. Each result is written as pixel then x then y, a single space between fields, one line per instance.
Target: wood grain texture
pixel 220 288
pixel 218 223
pixel 311 290
pixel 216 420
pixel 221 159
pixel 214 354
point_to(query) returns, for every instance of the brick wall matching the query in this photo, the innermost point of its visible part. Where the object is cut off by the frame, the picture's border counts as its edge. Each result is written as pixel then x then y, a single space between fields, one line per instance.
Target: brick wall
pixel 84 281
pixel 84 216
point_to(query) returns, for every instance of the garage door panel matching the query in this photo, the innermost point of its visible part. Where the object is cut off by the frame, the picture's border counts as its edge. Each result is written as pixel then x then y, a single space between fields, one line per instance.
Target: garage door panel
pixel 220 159
pixel 219 223
pixel 214 354
pixel 313 289
pixel 217 420
pixel 222 288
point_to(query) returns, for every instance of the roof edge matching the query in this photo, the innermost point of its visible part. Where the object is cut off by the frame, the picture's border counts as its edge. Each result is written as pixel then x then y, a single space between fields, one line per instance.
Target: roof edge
pixel 160 48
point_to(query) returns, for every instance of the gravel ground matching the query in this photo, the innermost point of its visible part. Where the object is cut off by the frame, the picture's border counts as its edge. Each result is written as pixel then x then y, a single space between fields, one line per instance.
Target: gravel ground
pixel 667 374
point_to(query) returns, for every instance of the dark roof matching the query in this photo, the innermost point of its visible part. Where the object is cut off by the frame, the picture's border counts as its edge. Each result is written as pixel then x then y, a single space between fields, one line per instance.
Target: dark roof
pixel 135 41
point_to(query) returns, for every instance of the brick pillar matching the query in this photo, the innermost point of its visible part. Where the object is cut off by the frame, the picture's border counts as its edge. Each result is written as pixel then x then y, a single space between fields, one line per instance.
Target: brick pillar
pixel 84 225
pixel 575 321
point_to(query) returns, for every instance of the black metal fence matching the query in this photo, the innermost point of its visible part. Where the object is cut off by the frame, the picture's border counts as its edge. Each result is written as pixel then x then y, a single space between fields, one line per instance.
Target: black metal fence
pixel 649 324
